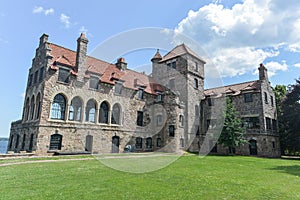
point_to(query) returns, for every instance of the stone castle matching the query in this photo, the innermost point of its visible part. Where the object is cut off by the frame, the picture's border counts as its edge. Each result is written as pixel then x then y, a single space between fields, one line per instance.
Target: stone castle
pixel 75 103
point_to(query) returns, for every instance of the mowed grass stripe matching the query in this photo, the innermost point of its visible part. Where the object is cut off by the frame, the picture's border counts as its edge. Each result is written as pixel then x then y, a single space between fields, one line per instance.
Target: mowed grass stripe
pixel 189 177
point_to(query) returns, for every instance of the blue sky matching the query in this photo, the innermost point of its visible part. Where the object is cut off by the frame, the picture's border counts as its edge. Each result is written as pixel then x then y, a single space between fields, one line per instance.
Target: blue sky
pixel 237 35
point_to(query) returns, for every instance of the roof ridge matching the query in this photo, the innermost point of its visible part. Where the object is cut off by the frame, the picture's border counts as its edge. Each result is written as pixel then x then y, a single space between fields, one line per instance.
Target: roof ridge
pixel 232 85
pixel 76 52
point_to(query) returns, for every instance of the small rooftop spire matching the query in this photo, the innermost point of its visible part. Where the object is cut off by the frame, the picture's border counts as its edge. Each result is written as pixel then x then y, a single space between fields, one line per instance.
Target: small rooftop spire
pixel 157 57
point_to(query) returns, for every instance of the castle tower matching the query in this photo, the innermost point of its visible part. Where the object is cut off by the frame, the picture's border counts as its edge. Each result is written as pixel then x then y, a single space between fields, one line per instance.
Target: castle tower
pixel 182 71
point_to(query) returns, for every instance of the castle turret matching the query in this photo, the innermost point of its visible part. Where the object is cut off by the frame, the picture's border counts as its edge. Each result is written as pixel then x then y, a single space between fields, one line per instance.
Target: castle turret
pixel 263 72
pixel 81 56
pixel 157 57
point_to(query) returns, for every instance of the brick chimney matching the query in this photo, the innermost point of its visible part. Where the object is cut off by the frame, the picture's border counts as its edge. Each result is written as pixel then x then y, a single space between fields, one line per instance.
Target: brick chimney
pixel 82 42
pixel 121 64
pixel 263 72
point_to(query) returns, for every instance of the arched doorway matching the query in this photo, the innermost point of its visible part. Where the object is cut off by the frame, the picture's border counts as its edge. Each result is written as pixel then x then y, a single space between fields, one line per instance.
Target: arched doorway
pixel 253 147
pixel 115 144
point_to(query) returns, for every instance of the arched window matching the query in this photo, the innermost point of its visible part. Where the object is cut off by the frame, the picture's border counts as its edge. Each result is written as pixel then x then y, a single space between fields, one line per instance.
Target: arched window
pixel 116 113
pixel 104 112
pixel 148 142
pixel 27 108
pixel 58 107
pixel 75 109
pixel 38 106
pixel 32 108
pixel 90 111
pixel 55 142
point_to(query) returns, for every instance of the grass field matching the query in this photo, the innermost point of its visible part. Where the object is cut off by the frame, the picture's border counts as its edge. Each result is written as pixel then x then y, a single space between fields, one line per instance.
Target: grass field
pixel 190 177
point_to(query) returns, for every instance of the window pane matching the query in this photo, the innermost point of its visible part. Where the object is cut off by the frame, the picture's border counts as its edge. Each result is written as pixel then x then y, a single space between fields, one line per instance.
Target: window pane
pixel 115 116
pixel 94 82
pixel 63 75
pixel 171 131
pixel 103 114
pixel 58 107
pixel 139 120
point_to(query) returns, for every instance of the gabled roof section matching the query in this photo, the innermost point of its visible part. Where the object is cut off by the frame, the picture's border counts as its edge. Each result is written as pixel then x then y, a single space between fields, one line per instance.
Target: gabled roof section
pixel 180 50
pixel 234 89
pixel 108 73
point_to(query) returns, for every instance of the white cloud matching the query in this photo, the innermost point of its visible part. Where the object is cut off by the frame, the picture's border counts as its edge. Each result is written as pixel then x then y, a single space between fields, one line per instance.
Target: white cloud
pixel 297 65
pixel 40 9
pixel 273 67
pixel 239 38
pixel 65 20
pixel 83 30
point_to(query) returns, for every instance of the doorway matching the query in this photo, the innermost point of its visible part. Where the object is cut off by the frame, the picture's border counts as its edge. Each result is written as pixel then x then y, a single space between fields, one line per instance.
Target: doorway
pixel 89 143
pixel 115 144
pixel 253 147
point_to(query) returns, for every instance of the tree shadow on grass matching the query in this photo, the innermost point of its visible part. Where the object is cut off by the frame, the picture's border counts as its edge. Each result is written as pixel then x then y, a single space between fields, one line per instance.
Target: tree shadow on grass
pixel 292 169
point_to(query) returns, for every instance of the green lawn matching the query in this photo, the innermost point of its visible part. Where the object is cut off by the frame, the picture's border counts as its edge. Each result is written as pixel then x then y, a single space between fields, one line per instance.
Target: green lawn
pixel 190 177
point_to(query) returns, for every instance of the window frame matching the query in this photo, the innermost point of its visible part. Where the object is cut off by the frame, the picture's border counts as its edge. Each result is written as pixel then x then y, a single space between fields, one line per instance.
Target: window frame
pixel 140 118
pixel 248 97
pixel 58 111
pixel 94 82
pixel 171 131
pixel 63 75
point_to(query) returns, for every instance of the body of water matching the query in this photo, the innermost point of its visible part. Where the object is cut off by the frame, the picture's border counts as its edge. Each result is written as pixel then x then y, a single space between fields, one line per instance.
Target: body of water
pixel 3 146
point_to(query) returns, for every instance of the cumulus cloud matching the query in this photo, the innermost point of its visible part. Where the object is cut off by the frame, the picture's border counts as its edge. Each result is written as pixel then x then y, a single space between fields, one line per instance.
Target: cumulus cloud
pixel 65 20
pixel 273 67
pixel 297 65
pixel 40 9
pixel 239 38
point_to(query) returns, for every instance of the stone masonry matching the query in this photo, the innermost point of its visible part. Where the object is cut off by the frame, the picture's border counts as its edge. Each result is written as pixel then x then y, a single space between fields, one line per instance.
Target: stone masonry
pixel 75 103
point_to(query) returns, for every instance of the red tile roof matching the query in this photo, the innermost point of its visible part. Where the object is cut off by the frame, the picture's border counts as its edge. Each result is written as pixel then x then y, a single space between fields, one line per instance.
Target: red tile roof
pixel 234 89
pixel 109 72
pixel 179 51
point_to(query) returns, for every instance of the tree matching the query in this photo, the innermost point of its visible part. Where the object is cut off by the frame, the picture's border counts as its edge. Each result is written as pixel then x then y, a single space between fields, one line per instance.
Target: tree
pixel 291 118
pixel 280 94
pixel 232 134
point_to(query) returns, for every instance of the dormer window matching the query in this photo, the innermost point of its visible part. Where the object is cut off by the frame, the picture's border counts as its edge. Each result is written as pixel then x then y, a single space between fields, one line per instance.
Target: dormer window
pixel 94 82
pixel 141 93
pixel 172 65
pixel 63 75
pixel 118 87
pixel 159 97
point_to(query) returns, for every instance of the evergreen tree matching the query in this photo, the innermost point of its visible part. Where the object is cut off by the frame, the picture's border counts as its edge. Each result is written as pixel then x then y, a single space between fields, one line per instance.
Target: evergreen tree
pixel 280 94
pixel 291 117
pixel 232 134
